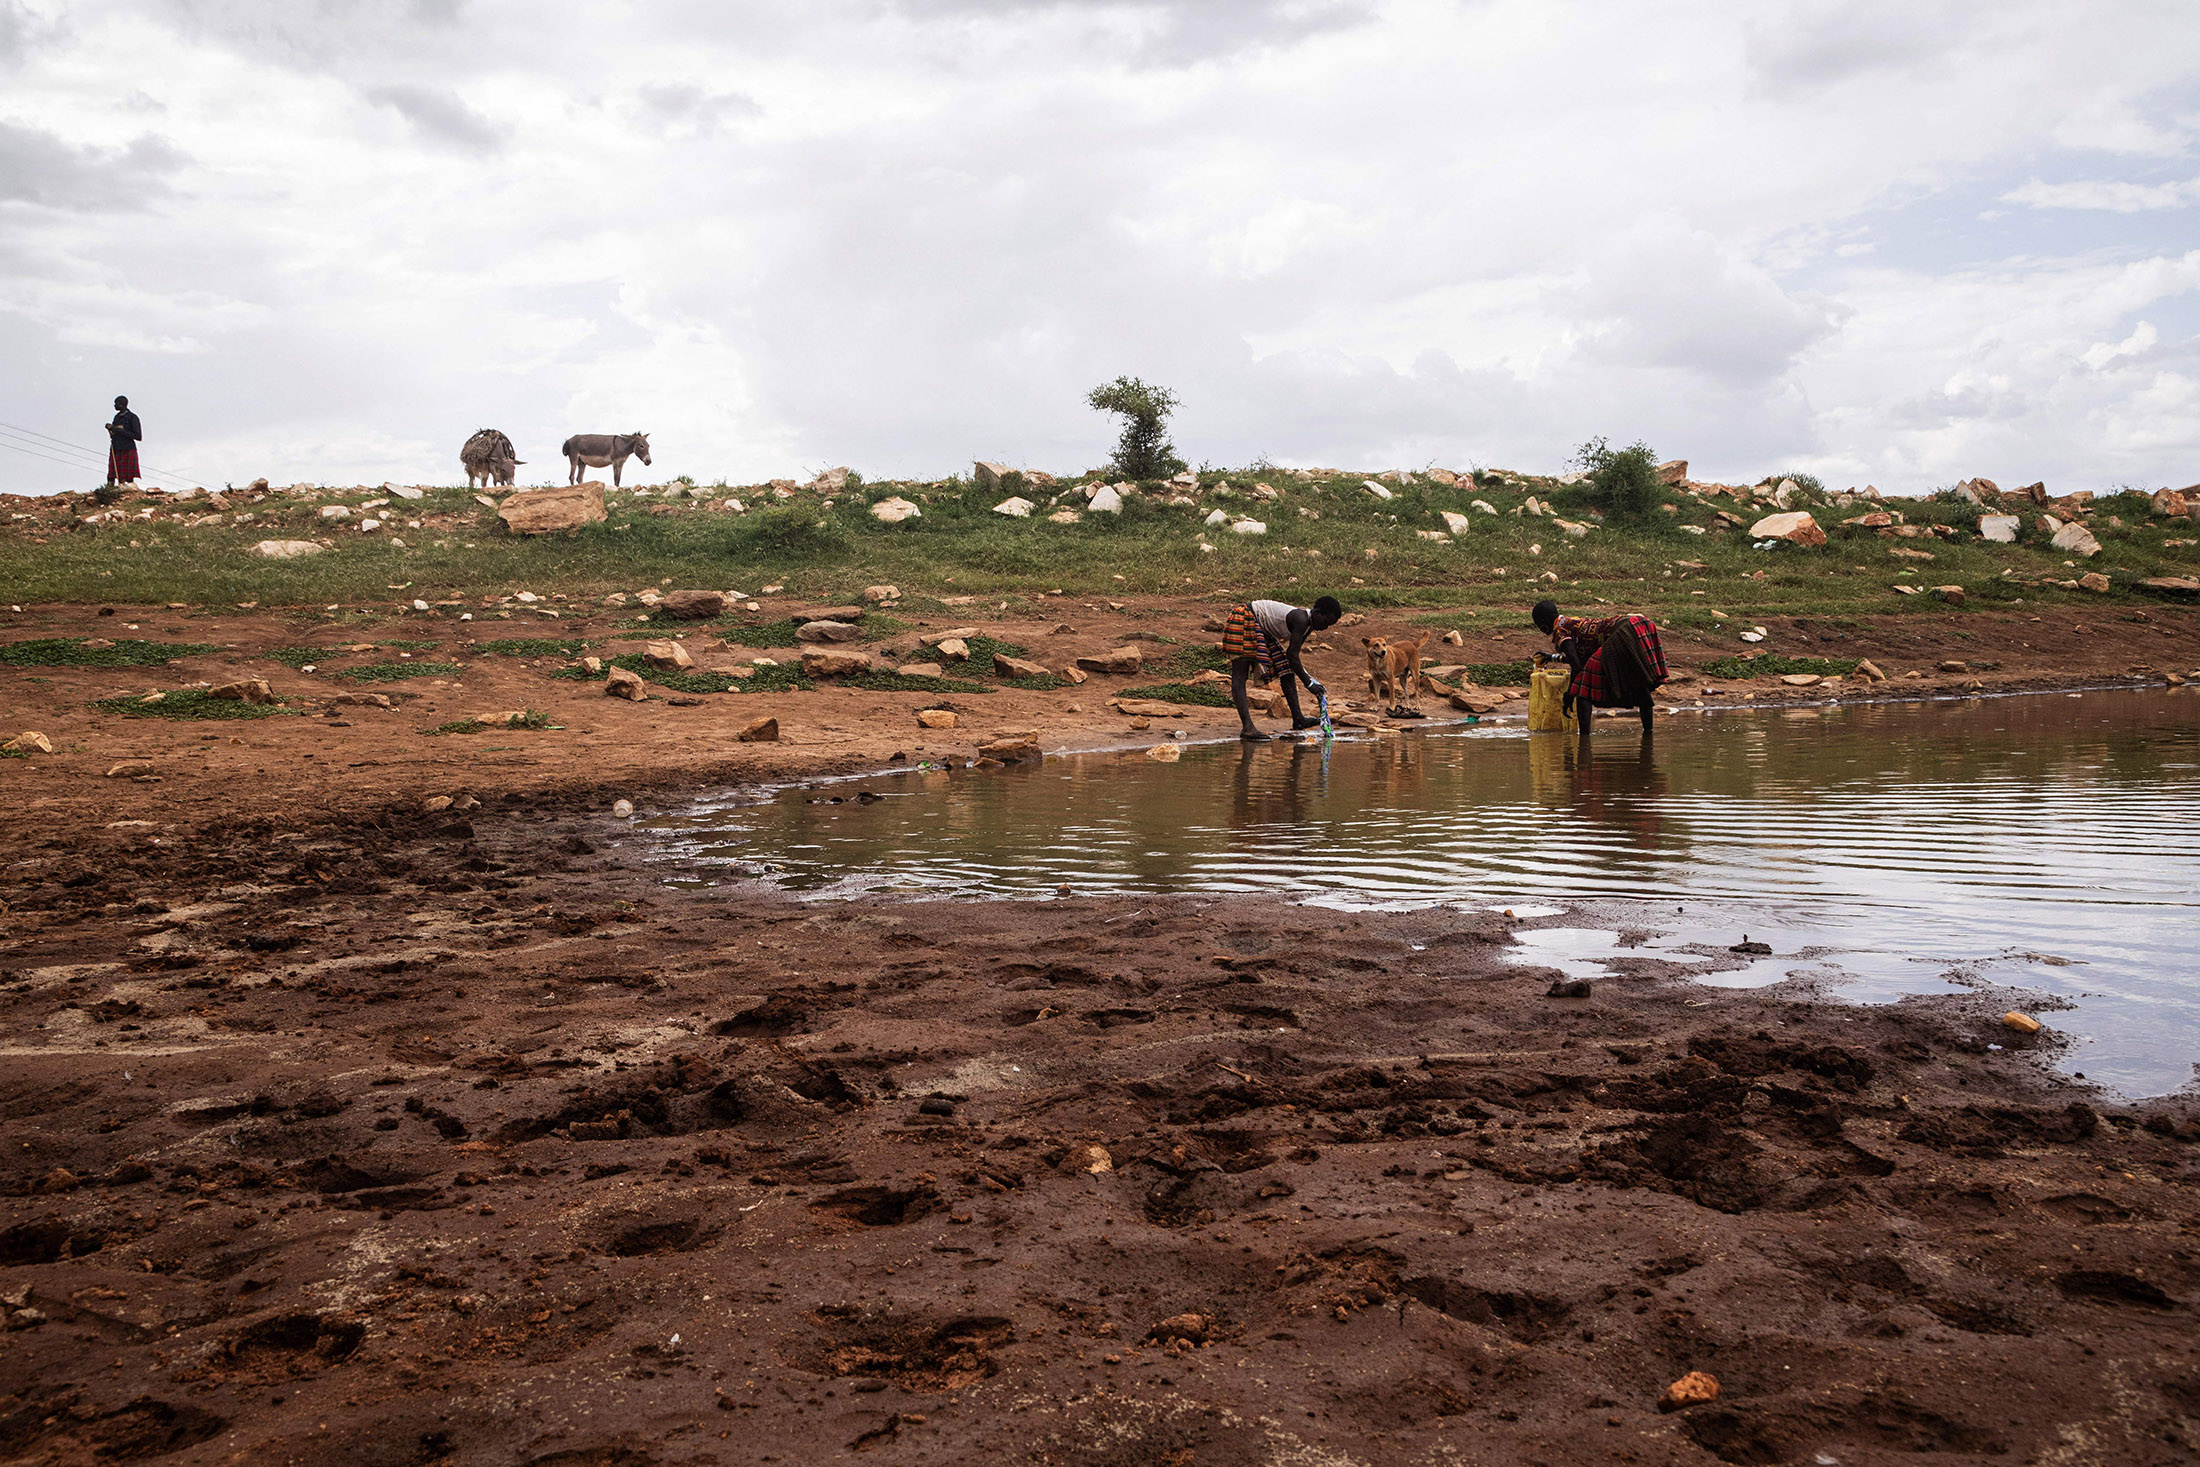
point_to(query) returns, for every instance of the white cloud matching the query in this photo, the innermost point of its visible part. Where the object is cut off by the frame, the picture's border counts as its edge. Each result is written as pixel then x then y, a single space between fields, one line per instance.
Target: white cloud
pixel 905 233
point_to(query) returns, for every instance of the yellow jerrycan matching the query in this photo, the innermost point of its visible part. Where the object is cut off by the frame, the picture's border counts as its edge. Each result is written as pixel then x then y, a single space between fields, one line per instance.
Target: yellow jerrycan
pixel 1547 700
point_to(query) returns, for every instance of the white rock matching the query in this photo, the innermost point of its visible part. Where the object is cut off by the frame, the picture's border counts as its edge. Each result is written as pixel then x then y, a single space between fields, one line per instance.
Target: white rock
pixel 2077 539
pixel 892 510
pixel 335 511
pixel 1248 527
pixel 285 549
pixel 1107 501
pixel 419 605
pixel 1064 517
pixel 1455 522
pixel 1016 508
pixel 1380 491
pixel 406 493
pixel 1753 636
pixel 1999 528
pixel 366 526
pixel 622 809
pixel 1218 517
pixel 1483 505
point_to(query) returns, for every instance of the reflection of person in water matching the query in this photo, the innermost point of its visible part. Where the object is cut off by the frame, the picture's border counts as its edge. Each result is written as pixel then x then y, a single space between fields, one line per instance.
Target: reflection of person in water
pixel 1617 661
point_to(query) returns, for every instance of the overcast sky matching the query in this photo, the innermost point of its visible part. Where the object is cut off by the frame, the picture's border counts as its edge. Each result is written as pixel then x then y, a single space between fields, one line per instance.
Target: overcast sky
pixel 1898 242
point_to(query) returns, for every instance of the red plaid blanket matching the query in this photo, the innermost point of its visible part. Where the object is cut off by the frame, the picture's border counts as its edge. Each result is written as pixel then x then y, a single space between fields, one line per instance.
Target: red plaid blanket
pixel 1625 670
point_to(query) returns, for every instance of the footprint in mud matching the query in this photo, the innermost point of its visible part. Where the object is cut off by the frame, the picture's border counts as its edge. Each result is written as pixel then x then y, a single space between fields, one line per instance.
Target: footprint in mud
pixel 913 1354
pixel 647 1237
pixel 1525 1317
pixel 879 1207
pixel 294 1344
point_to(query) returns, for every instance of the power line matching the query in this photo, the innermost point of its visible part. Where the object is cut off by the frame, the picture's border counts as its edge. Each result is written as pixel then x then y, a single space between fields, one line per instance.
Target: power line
pixel 91 457
pixel 34 453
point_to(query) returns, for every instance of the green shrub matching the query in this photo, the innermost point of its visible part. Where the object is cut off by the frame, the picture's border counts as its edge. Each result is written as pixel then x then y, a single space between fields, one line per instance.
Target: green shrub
pixel 71 652
pixel 534 647
pixel 1144 451
pixel 1807 482
pixel 532 718
pixel 1622 481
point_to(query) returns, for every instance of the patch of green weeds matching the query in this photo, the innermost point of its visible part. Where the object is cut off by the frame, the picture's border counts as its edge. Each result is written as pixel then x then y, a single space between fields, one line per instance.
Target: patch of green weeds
pixel 532 718
pixel 984 649
pixel 1202 695
pixel 1771 664
pixel 72 652
pixel 1499 674
pixel 189 703
pixel 407 646
pixel 534 647
pixel 296 658
pixel 895 682
pixel 1194 658
pixel 778 633
pixel 394 672
pixel 785 678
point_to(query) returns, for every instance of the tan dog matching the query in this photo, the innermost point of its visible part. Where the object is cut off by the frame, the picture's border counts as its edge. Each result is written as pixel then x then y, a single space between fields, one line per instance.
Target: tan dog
pixel 1394 674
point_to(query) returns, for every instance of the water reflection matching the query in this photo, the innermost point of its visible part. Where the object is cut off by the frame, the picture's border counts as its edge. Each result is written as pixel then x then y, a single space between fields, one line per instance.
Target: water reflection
pixel 1956 833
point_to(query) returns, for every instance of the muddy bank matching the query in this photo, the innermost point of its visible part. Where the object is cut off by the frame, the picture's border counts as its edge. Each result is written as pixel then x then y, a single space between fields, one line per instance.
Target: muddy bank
pixel 460 1139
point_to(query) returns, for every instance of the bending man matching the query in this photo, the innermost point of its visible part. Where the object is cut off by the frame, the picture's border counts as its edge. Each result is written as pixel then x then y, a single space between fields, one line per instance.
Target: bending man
pixel 1617 661
pixel 1265 637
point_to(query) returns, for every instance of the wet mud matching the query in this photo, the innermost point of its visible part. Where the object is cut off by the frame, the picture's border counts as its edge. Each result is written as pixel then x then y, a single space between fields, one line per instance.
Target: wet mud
pixel 420 1138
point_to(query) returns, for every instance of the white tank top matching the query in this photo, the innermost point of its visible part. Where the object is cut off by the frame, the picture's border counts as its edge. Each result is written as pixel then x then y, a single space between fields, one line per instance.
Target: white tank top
pixel 1270 615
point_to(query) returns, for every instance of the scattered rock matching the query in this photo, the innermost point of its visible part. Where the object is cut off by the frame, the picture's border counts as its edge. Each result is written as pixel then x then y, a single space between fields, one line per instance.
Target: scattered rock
pixel 894 509
pixel 832 480
pixel 244 690
pixel 1248 527
pixel 1380 491
pixel 620 683
pixel 2095 582
pixel 693 605
pixel 1009 748
pixel 1953 665
pixel 1016 507
pixel 2076 539
pixel 881 593
pixel 130 769
pixel 562 507
pixel 1107 499
pixel 990 474
pixel 1191 1329
pixel 1148 708
pixel 1455 522
pixel 1796 527
pixel 1072 674
pixel 1693 1389
pixel 935 718
pixel 1674 471
pixel 934 639
pixel 1121 660
pixel 1953 595
pixel 286 549
pixel 1801 679
pixel 828 631
pixel 1094 1159
pixel 762 731
pixel 1016 667
pixel 1476 703
pixel 1999 528
pixel 954 649
pixel 28 742
pixel 2021 1023
pixel 920 669
pixel 2172 585
pixel 1869 672
pixel 667 656
pixel 823 663
pixel 1569 988
pixel 1165 753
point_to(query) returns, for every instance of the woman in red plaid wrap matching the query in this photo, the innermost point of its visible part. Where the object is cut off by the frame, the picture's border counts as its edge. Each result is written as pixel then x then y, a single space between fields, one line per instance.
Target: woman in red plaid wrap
pixel 1618 661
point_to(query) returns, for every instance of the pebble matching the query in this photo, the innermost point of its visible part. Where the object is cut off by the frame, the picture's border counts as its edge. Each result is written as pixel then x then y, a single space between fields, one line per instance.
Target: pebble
pixel 622 809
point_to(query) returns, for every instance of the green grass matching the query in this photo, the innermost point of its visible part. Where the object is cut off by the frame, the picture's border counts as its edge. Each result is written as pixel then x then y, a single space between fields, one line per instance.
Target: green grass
pixel 71 652
pixel 1045 682
pixel 961 548
pixel 1187 659
pixel 1771 664
pixel 761 634
pixel 1203 695
pixel 533 647
pixel 1498 674
pixel 393 672
pixel 189 703
pixel 405 646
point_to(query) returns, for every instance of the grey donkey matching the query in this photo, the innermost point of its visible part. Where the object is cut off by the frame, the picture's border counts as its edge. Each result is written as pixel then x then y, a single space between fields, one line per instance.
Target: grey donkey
pixel 488 457
pixel 604 450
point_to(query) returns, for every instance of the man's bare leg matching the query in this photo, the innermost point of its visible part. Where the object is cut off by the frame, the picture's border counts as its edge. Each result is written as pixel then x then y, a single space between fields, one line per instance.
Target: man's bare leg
pixel 1239 667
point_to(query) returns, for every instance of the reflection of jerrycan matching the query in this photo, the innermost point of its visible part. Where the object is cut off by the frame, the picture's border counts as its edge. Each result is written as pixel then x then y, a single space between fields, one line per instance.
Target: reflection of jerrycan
pixel 1551 770
pixel 1547 701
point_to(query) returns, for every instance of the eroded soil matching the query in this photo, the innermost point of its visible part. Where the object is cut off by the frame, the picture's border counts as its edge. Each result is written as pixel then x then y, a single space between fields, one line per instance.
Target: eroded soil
pixel 470 1140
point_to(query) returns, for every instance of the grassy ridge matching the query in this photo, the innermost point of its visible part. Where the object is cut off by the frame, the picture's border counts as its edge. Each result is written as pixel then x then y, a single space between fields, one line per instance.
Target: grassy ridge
pixel 1326 535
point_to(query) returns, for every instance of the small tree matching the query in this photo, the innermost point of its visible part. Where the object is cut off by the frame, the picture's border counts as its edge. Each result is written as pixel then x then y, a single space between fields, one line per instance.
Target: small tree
pixel 1623 481
pixel 1144 451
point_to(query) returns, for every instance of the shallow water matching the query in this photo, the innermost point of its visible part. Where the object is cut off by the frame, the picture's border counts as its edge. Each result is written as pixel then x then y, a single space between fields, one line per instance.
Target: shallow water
pixel 2043 842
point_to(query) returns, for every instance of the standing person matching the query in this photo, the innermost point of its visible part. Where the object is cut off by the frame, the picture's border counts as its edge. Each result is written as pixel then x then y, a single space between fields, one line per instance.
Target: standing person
pixel 1266 636
pixel 1618 661
pixel 123 436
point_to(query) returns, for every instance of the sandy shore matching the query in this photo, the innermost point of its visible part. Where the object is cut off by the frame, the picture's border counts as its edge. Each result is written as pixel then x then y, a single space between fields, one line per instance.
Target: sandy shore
pixel 343 1132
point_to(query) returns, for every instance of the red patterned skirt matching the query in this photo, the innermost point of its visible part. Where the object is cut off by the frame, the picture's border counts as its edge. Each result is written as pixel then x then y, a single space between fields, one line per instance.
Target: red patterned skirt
pixel 1625 670
pixel 122 464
